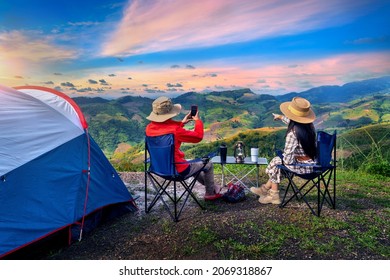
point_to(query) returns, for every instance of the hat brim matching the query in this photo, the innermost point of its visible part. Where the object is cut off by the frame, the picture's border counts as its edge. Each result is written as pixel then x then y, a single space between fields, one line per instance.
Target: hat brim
pixel 176 109
pixel 306 119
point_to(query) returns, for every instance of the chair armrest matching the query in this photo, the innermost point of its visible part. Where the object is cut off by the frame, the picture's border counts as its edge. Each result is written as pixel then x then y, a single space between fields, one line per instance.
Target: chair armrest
pixel 190 161
pixel 304 165
pixel 205 159
pixel 279 153
pixel 316 167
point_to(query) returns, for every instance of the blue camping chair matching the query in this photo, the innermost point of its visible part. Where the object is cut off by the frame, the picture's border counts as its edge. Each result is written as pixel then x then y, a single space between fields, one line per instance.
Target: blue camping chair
pixel 160 169
pixel 322 179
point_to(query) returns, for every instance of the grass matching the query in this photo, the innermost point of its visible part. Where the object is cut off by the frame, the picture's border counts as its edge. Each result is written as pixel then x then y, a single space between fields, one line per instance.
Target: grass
pixel 357 229
pixel 360 224
pixel 368 145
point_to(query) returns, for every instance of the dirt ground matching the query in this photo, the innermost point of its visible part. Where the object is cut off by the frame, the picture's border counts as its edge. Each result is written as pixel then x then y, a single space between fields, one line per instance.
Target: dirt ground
pixel 154 236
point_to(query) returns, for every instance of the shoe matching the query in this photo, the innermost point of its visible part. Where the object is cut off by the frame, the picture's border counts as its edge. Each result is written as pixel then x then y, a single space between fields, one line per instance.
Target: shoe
pixel 262 191
pixel 212 196
pixel 272 197
pixel 218 189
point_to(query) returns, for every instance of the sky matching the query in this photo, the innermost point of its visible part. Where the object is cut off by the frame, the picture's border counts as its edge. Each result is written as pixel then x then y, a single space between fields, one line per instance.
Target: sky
pixel 113 48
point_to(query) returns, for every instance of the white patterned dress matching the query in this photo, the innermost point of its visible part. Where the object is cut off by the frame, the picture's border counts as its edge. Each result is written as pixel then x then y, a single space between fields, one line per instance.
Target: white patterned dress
pixel 292 149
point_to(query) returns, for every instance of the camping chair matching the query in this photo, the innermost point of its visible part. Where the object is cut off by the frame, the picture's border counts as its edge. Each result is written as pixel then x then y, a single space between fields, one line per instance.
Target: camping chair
pixel 160 169
pixel 322 179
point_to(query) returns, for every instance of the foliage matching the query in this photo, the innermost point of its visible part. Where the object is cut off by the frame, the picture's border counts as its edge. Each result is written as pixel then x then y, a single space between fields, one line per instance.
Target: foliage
pixel 235 115
pixel 130 160
pixel 112 132
pixel 366 149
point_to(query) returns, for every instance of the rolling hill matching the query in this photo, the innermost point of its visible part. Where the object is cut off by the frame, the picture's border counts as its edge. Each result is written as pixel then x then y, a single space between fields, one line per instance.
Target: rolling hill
pixel 114 123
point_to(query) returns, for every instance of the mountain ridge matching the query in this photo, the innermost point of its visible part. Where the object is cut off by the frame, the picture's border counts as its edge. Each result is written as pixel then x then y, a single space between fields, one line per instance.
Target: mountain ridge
pixel 344 93
pixel 225 113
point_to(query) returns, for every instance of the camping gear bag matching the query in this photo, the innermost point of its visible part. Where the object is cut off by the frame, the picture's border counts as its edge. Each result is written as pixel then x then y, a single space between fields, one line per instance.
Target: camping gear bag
pixel 235 193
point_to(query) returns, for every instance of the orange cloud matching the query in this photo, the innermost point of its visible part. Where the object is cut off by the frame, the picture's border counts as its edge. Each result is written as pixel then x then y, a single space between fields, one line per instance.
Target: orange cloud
pixel 272 77
pixel 17 44
pixel 25 54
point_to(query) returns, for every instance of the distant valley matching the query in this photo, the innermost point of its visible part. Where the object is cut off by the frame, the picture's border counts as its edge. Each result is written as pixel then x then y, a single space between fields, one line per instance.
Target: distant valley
pixel 117 125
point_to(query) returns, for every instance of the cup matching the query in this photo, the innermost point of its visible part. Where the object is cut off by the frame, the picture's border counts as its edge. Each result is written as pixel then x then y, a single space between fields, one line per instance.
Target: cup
pixel 223 152
pixel 254 154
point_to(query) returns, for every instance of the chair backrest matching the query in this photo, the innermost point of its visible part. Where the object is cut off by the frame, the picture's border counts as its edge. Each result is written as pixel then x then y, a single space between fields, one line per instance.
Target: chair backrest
pixel 325 146
pixel 161 150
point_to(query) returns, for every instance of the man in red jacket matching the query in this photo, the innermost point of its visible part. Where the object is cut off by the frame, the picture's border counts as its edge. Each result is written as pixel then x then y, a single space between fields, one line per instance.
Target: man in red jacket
pixel 163 110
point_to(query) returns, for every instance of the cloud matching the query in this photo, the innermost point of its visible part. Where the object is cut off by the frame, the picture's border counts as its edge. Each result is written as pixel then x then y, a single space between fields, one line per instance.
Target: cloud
pixel 181 24
pixel 88 89
pixel 174 85
pixel 83 23
pixel 67 84
pixel 30 53
pixel 304 84
pixel 188 66
pixel 154 91
pixel 90 81
pixel 31 46
pixel 103 82
pixel 370 40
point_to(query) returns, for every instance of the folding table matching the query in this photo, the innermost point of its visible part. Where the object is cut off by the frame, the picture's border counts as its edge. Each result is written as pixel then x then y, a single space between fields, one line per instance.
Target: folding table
pixel 243 176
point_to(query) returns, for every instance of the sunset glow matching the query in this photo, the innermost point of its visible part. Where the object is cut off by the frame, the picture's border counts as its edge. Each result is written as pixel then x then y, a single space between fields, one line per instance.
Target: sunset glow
pixel 150 48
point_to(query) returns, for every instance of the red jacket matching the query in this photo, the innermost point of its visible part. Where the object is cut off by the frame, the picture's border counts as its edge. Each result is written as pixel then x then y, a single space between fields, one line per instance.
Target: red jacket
pixel 181 134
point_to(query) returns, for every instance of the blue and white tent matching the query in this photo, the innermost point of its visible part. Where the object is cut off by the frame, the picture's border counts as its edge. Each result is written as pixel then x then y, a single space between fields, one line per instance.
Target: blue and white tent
pixel 53 175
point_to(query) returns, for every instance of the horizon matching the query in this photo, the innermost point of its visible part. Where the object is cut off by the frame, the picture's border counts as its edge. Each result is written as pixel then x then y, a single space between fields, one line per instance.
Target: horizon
pixel 219 91
pixel 151 48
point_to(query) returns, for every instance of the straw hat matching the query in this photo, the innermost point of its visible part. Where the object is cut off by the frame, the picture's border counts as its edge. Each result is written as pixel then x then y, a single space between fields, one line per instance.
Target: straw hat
pixel 163 109
pixel 299 110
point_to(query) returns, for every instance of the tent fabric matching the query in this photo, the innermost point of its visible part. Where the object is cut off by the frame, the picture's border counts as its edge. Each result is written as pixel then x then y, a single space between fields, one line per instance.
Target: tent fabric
pixel 52 173
pixel 58 101
pixel 30 128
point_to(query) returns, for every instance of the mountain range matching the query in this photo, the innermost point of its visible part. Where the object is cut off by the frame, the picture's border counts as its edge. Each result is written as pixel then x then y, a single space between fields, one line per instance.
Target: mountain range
pixel 119 124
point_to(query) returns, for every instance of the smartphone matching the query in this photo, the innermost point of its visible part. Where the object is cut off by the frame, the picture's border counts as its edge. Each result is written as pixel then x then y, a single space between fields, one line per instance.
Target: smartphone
pixel 194 109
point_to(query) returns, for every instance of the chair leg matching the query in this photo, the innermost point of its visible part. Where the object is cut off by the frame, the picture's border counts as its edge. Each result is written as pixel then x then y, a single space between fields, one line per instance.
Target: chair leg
pixel 319 204
pixel 159 188
pixel 146 191
pixel 297 193
pixel 334 188
pixel 189 189
pixel 177 201
pixel 330 199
